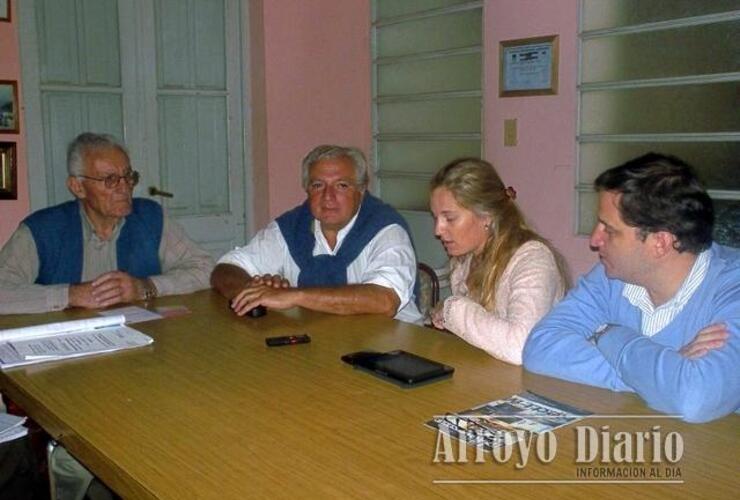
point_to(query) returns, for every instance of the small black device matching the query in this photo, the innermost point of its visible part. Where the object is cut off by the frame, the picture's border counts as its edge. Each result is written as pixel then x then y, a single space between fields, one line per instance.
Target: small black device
pixel 257 312
pixel 287 340
pixel 400 367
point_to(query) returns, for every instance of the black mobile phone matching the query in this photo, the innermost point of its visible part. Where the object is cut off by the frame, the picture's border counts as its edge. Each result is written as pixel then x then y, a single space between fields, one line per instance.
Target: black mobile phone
pixel 287 340
pixel 255 312
pixel 403 368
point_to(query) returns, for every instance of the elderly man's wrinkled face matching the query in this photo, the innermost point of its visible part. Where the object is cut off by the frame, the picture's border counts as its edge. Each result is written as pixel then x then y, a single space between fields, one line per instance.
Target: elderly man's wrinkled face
pixel 99 200
pixel 333 194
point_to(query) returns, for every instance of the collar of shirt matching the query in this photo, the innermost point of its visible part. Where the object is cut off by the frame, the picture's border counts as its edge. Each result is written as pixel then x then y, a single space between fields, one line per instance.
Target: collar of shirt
pixel 322 246
pixel 655 318
pixel 88 232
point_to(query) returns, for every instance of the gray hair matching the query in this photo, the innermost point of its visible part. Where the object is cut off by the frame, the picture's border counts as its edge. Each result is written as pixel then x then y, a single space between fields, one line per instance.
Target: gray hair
pixel 332 152
pixel 86 142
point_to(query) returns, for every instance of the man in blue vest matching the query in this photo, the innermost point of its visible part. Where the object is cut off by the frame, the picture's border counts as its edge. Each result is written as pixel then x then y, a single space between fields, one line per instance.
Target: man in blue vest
pixel 103 248
pixel 342 251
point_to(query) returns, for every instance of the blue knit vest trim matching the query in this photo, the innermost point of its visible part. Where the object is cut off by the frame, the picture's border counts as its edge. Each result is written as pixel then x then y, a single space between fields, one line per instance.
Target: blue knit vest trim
pixel 57 233
pixel 331 270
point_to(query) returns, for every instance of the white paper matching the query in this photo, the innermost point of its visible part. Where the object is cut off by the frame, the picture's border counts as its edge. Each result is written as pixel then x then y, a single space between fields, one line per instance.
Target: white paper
pixel 12 434
pixel 11 427
pixel 133 314
pixel 46 330
pixel 70 343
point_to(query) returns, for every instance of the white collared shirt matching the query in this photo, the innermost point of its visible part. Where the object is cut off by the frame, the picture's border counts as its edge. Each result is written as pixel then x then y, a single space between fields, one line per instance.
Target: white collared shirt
pixel 387 260
pixel 322 247
pixel 654 318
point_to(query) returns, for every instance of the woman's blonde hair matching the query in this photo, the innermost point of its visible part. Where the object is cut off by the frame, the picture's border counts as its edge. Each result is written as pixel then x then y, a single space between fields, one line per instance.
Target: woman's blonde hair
pixel 476 186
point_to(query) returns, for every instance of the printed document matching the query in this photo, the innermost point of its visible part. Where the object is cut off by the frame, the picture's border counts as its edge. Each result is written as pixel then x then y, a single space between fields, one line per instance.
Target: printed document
pixel 69 339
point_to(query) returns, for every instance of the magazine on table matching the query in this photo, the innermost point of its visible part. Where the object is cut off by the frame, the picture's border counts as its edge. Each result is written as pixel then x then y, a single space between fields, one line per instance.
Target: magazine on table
pixel 504 421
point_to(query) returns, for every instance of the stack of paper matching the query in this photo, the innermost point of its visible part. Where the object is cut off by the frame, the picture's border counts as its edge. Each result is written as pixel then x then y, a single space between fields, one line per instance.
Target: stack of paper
pixel 69 339
pixel 11 427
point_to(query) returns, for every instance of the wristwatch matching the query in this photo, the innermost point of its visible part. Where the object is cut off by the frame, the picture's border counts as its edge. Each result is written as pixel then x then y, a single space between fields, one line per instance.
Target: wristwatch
pixel 150 291
pixel 599 332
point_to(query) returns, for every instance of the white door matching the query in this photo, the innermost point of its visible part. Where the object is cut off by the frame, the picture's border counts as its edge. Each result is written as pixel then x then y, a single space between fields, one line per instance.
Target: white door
pixel 163 75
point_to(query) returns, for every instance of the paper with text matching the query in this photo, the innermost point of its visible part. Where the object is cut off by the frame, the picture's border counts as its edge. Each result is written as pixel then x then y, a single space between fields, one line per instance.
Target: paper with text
pixel 66 340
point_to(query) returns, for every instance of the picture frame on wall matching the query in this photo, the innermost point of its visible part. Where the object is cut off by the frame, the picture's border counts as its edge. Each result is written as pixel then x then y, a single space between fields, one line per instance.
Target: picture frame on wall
pixel 8 171
pixel 5 10
pixel 9 106
pixel 528 66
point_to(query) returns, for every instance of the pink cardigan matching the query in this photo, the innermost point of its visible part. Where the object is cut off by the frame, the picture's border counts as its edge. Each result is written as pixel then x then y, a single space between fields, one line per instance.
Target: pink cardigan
pixel 528 288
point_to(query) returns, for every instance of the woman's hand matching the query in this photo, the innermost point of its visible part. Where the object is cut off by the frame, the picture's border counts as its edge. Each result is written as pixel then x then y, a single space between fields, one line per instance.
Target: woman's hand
pixel 437 315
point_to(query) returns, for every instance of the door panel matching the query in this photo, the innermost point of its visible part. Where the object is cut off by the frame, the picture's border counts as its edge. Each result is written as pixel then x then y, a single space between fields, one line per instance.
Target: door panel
pixel 56 25
pixel 193 149
pixel 174 46
pixel 199 119
pixel 178 153
pixel 209 50
pixel 213 185
pixel 101 58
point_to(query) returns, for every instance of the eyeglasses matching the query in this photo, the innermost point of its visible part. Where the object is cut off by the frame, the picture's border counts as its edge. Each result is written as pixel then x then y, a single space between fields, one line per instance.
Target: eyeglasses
pixel 112 180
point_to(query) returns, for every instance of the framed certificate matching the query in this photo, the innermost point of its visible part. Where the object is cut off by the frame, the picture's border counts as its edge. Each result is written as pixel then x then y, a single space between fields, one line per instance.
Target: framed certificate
pixel 528 66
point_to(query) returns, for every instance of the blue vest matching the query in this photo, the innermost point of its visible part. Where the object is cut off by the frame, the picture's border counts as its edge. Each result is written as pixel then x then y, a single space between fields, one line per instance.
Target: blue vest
pixel 331 270
pixel 57 232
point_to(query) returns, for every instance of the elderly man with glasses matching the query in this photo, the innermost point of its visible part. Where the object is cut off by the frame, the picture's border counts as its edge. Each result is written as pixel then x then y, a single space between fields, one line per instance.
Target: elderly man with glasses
pixel 103 248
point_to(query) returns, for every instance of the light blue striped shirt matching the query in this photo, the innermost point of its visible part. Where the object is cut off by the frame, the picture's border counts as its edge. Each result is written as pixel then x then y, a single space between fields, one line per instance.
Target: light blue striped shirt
pixel 655 318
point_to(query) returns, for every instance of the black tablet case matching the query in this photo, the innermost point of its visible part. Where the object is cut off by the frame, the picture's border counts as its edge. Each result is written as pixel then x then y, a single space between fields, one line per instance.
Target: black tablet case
pixel 401 367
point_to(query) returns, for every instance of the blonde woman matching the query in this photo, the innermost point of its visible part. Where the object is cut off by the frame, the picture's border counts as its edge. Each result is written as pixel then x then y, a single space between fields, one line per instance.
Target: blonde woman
pixel 504 276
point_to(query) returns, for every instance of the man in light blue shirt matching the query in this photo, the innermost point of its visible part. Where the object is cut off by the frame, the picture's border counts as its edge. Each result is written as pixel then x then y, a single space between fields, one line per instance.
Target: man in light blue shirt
pixel 660 314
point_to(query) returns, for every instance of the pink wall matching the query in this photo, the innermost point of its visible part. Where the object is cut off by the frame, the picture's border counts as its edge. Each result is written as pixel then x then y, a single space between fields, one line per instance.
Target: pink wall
pixel 542 166
pixel 12 211
pixel 317 69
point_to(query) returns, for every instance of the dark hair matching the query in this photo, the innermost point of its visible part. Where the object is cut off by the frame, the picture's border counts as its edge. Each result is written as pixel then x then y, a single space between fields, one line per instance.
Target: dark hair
pixel 662 193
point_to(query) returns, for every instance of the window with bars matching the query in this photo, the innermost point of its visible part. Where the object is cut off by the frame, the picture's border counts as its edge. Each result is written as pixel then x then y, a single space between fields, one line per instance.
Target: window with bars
pixel 427 98
pixel 660 76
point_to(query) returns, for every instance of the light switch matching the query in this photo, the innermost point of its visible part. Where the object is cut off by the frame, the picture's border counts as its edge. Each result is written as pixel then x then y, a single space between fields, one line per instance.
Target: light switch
pixel 510 138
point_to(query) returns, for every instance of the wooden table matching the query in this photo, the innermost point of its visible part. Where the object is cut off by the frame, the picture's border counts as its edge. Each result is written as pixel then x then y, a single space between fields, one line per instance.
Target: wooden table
pixel 208 411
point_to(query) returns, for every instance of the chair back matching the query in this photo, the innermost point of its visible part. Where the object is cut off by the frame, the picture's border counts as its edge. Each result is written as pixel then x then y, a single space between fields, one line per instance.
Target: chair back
pixel 428 288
